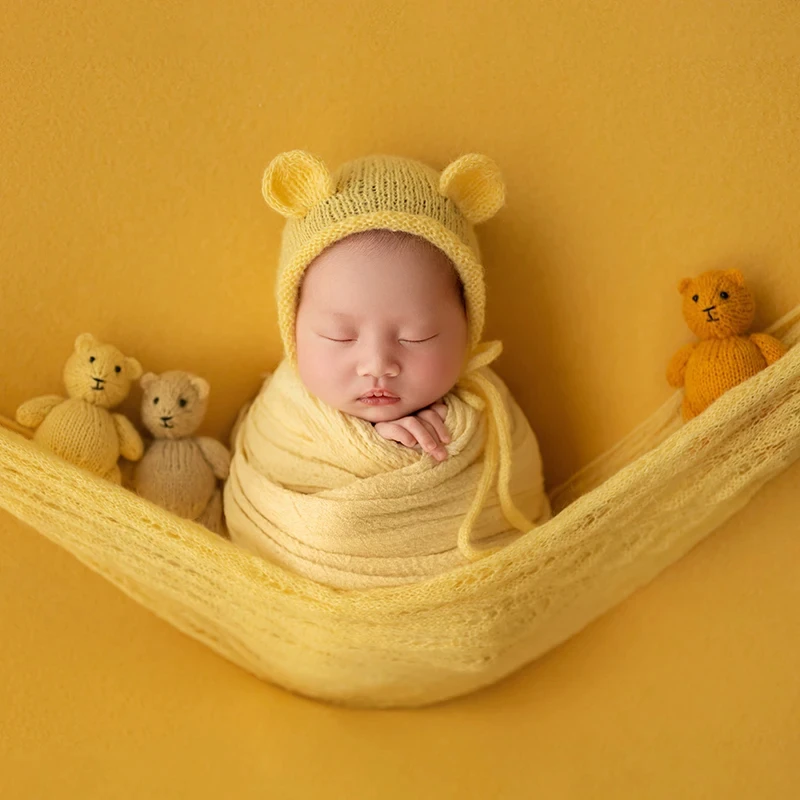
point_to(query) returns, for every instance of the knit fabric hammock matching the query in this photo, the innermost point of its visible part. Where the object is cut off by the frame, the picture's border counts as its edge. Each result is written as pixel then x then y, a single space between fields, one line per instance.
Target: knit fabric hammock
pixel 619 522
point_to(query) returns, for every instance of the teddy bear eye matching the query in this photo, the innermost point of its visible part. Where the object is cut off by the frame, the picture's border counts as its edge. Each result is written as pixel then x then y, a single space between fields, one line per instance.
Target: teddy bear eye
pixel 155 401
pixel 724 295
pixel 117 369
pixel 182 402
pixel 91 359
pixel 696 298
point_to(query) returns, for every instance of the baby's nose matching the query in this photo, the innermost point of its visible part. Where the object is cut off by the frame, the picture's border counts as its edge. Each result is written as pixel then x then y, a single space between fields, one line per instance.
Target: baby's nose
pixel 379 365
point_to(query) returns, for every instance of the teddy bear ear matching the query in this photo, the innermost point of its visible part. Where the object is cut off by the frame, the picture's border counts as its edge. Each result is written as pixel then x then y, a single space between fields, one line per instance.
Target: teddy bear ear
pixel 735 275
pixel 295 182
pixel 201 387
pixel 133 368
pixel 148 379
pixel 475 184
pixel 684 285
pixel 85 342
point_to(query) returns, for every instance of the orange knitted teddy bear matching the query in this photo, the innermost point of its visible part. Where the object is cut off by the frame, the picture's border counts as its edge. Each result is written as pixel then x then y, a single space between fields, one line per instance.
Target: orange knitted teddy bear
pixel 718 309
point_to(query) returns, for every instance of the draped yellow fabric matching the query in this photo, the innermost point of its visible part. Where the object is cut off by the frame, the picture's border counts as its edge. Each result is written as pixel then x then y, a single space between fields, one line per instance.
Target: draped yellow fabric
pixel 621 521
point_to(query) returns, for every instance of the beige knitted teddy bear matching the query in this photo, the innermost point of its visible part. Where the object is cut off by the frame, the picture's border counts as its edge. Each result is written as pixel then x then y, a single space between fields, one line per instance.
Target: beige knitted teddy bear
pixel 179 471
pixel 81 428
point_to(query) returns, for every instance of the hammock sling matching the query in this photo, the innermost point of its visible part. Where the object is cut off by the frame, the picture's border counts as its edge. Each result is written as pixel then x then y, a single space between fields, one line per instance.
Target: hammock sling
pixel 618 523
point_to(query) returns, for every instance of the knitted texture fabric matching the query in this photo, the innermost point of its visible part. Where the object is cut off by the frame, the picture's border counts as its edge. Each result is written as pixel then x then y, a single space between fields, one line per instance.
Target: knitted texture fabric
pixel 718 308
pixel 81 428
pixel 621 521
pixel 322 494
pixel 179 471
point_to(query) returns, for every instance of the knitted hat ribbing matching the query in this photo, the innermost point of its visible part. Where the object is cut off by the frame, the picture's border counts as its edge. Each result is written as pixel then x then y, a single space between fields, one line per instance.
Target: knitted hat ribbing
pixel 381 192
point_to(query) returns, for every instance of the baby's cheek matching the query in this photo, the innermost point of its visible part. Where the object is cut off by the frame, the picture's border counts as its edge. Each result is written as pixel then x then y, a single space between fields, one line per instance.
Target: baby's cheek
pixel 319 372
pixel 440 370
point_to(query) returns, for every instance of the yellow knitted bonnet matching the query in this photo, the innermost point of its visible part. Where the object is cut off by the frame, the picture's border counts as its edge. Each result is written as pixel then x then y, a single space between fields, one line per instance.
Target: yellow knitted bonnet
pixel 381 192
pixel 400 194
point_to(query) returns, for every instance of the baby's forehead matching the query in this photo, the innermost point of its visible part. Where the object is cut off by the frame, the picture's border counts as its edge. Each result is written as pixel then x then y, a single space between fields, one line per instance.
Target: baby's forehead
pixel 380 256
pixel 380 243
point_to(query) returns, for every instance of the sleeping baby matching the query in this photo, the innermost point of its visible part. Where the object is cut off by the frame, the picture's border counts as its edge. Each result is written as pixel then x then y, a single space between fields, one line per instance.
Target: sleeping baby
pixel 383 449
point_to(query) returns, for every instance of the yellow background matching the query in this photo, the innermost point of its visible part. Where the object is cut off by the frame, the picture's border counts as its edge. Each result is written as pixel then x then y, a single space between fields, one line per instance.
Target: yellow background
pixel 641 142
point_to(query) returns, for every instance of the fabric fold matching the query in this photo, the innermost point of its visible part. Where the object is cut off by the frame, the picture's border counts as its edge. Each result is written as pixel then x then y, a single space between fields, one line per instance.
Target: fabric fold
pixel 321 493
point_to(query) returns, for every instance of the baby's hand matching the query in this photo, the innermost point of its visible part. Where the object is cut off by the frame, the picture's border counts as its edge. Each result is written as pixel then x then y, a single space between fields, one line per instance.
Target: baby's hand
pixel 424 430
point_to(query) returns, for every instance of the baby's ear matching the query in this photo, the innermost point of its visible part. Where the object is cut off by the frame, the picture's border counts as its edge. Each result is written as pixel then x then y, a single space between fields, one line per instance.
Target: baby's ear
pixel 684 285
pixel 147 379
pixel 475 184
pixel 201 387
pixel 295 182
pixel 735 275
pixel 85 342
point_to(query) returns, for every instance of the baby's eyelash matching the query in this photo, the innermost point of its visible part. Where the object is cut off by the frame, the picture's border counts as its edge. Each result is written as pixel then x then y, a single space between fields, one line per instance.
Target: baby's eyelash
pixel 418 341
pixel 402 341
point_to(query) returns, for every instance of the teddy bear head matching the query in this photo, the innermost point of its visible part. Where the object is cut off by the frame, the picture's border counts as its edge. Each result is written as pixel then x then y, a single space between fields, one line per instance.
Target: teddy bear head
pixel 717 304
pixel 174 403
pixel 99 373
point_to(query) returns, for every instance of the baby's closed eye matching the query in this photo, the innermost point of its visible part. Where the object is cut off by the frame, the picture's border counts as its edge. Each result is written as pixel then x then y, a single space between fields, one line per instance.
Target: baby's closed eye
pixel 340 339
pixel 419 340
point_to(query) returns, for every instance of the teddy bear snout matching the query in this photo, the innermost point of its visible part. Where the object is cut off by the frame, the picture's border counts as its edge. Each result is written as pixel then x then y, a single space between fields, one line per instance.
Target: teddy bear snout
pixel 98 387
pixel 165 421
pixel 711 317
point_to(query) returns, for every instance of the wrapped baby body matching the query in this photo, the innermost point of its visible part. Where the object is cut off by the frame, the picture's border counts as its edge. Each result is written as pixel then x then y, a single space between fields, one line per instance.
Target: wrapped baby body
pixel 319 492
pixel 383 450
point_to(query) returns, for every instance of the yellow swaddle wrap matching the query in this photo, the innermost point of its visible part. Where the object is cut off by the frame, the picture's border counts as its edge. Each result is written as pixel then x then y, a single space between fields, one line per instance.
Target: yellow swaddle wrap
pixel 321 493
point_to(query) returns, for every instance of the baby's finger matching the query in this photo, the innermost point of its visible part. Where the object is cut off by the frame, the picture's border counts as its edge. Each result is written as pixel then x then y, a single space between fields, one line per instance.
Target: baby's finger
pixel 395 433
pixel 432 418
pixel 422 432
pixel 427 437
pixel 441 410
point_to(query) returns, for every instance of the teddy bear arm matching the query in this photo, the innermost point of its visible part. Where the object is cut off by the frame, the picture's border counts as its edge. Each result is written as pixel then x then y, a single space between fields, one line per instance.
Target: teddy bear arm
pixel 676 371
pixel 770 347
pixel 32 413
pixel 130 443
pixel 216 454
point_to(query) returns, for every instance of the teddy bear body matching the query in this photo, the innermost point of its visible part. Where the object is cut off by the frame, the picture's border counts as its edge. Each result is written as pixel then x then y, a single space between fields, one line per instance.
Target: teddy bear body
pixel 719 309
pixel 179 471
pixel 718 365
pixel 83 434
pixel 168 468
pixel 81 428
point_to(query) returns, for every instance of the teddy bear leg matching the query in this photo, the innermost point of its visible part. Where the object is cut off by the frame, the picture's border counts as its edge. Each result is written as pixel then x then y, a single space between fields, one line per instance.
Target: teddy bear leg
pixel 114 475
pixel 212 514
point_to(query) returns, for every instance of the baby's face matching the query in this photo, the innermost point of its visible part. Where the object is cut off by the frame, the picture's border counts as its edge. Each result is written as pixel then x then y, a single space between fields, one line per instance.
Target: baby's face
pixel 381 330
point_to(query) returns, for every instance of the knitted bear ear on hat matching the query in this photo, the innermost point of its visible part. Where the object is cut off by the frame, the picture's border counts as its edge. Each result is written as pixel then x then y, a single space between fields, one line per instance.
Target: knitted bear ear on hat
pixel 295 182
pixel 475 184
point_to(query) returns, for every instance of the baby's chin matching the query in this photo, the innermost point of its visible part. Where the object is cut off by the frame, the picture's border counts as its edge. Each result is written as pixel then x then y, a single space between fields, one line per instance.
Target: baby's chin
pixel 384 413
pixel 375 414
